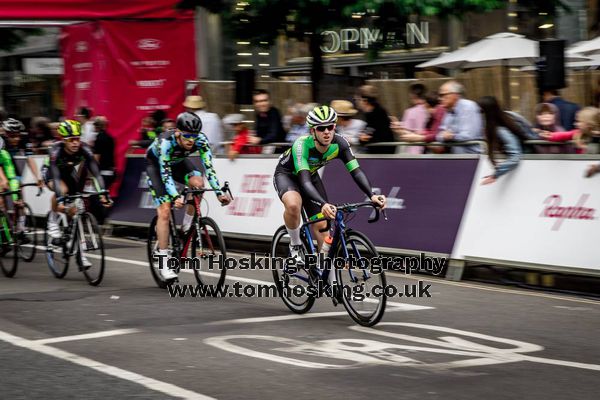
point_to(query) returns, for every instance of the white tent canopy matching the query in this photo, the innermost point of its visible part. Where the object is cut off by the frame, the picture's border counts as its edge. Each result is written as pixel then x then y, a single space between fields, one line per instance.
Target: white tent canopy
pixel 505 48
pixel 588 47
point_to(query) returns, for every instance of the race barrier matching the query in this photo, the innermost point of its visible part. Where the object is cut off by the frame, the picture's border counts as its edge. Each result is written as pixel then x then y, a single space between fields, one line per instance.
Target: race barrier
pixel 543 215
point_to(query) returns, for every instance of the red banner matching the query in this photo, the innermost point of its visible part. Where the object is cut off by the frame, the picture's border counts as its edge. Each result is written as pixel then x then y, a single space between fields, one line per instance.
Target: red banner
pixel 90 9
pixel 129 70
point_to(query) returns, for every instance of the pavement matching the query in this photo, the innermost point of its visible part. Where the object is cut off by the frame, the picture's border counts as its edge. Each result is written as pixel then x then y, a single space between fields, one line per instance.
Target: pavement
pixel 64 339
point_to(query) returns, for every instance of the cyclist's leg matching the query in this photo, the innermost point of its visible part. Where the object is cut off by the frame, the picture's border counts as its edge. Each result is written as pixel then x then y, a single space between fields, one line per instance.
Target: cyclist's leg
pixel 314 211
pixel 192 178
pixel 288 190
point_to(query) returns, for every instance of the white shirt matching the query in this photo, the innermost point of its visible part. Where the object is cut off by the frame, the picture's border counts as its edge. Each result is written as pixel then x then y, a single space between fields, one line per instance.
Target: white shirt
pixel 352 132
pixel 212 128
pixel 88 133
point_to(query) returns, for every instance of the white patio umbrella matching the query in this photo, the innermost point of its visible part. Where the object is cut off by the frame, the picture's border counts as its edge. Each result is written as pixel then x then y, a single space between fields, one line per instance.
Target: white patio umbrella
pixel 501 49
pixel 588 47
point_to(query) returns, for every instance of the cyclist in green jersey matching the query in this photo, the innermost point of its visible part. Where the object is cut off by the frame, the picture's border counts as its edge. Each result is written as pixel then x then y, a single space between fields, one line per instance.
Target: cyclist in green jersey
pixel 298 184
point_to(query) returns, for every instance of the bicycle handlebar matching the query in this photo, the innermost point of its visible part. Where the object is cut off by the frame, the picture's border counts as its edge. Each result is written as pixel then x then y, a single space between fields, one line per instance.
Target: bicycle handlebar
pixel 40 189
pixel 350 208
pixel 224 189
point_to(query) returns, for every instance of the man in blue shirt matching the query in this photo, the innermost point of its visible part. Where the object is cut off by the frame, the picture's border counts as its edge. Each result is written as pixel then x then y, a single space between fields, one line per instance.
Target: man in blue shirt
pixel 462 122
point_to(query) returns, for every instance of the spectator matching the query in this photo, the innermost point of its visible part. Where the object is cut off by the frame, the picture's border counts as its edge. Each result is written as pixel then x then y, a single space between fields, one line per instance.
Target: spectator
pixel 40 134
pixel 269 128
pixel 158 116
pixel 462 121
pixel 148 132
pixel 298 125
pixel 566 109
pixel 416 117
pixel 88 134
pixel 104 152
pixel 502 134
pixel 211 123
pixel 348 126
pixel 547 120
pixel 378 123
pixel 587 127
pixel 241 138
pixel 436 113
pixel 167 124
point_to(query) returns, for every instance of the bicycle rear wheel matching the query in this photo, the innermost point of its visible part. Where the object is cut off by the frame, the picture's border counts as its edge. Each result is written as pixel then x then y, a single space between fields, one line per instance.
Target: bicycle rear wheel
pixel 9 257
pixel 57 254
pixel 291 285
pixel 209 245
pixel 27 239
pixel 90 249
pixel 151 248
pixel 357 283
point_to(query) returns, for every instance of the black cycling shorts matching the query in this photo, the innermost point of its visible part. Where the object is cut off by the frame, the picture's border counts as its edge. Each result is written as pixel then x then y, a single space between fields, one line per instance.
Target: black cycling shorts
pixel 285 182
pixel 180 171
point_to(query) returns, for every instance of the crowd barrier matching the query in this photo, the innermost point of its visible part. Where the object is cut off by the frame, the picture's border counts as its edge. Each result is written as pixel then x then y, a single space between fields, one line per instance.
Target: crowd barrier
pixel 544 214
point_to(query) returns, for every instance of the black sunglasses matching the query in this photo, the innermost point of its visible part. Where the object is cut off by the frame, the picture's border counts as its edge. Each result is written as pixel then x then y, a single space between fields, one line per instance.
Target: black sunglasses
pixel 322 128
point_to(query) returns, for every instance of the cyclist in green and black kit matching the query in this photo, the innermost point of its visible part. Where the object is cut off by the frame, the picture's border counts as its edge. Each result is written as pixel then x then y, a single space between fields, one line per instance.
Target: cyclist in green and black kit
pixel 298 184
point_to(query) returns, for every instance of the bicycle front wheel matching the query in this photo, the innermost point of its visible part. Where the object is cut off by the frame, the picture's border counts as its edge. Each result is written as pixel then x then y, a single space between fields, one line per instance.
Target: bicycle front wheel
pixel 208 247
pixel 151 248
pixel 292 285
pixel 9 257
pixel 90 249
pixel 357 282
pixel 27 237
pixel 57 254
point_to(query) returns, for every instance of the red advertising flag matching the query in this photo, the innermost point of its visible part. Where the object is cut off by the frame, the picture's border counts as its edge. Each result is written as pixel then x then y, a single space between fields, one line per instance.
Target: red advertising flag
pixel 84 68
pixel 148 63
pixel 90 9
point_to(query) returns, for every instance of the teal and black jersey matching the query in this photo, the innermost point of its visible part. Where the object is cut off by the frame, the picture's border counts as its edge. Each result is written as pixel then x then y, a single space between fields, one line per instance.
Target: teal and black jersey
pixel 303 155
pixel 165 152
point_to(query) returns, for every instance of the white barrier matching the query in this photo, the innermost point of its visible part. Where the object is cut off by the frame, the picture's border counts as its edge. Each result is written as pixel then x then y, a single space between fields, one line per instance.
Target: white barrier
pixel 543 213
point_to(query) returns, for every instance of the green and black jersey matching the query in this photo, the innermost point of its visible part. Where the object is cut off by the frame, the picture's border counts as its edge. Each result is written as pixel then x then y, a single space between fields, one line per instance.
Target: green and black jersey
pixel 298 166
pixel 9 170
pixel 303 155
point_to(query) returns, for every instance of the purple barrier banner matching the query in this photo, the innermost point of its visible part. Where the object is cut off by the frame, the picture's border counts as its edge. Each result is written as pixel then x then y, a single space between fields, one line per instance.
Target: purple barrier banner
pixel 426 200
pixel 134 204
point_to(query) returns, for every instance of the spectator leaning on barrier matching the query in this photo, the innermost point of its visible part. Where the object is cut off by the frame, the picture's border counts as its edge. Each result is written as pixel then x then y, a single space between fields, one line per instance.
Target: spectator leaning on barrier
pixel 104 153
pixel 462 122
pixel 378 122
pixel 566 109
pixel 241 138
pixel 503 135
pixel 547 121
pixel 348 126
pixel 269 128
pixel 211 123
pixel 587 124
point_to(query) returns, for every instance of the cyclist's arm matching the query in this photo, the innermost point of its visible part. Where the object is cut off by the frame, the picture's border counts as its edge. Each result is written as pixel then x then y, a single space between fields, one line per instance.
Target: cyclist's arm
pixel 9 171
pixel 352 166
pixel 164 164
pixel 309 189
pixel 206 158
pixel 30 161
pixel 92 166
pixel 55 171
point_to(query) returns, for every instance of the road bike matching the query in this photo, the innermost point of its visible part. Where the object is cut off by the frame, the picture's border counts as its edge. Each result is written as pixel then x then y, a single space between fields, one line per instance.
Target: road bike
pixel 200 245
pixel 22 243
pixel 80 237
pixel 350 253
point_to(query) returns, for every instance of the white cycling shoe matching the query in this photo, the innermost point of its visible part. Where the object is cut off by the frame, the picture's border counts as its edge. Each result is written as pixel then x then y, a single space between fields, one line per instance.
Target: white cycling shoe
pixel 53 230
pixel 297 253
pixel 166 273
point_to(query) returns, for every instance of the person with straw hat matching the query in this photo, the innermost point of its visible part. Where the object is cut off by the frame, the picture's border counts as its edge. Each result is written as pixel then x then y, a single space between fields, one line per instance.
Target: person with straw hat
pixel 347 125
pixel 211 123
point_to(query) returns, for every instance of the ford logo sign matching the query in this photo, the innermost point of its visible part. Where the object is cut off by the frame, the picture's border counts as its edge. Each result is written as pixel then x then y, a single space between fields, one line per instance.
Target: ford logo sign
pixel 148 44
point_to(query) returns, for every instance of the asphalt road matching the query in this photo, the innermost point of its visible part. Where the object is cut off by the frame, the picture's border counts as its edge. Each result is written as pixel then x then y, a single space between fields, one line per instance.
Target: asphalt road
pixel 467 341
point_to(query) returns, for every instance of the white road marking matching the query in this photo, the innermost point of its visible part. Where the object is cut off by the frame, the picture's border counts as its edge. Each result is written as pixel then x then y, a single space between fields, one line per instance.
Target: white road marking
pixel 152 384
pixel 93 335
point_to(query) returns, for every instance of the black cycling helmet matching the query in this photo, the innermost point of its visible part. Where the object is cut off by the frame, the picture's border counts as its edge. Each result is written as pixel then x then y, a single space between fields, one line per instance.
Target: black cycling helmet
pixel 189 122
pixel 13 125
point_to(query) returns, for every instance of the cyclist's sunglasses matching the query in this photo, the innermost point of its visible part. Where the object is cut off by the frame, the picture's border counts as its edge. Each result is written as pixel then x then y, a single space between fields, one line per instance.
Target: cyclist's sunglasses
pixel 189 136
pixel 72 139
pixel 322 128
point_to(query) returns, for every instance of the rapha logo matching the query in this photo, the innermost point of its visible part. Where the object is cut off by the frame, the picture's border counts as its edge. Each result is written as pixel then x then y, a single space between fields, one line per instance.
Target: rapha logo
pixel 148 44
pixel 553 209
pixel 392 200
pixel 81 47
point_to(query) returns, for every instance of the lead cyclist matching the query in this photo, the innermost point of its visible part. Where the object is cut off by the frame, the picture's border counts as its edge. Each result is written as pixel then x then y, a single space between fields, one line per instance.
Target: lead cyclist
pixel 298 184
